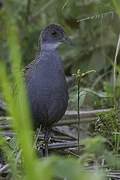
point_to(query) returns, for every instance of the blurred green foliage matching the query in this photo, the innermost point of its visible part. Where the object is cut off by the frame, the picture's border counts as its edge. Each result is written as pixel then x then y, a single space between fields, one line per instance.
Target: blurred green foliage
pixel 91 147
pixel 92 98
pixel 94 43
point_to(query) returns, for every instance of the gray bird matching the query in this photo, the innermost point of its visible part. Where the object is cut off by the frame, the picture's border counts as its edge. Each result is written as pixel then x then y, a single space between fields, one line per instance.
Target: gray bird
pixel 46 83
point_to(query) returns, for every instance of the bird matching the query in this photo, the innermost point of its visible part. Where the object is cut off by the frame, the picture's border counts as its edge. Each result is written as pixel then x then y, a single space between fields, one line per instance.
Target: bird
pixel 45 81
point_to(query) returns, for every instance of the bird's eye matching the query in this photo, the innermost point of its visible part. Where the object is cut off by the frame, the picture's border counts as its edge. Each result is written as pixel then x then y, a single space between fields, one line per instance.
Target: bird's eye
pixel 54 33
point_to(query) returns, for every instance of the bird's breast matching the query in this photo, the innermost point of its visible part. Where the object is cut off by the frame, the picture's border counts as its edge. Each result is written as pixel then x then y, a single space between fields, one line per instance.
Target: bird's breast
pixel 47 89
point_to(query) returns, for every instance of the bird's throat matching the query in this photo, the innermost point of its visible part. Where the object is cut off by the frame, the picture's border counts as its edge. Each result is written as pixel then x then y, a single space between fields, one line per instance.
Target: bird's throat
pixel 50 46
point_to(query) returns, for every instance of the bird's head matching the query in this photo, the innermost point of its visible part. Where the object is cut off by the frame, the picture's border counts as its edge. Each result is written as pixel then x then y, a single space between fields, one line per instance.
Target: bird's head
pixel 52 36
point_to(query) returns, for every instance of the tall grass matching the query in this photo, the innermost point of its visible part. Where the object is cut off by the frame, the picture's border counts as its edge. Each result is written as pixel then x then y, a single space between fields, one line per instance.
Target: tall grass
pixel 14 93
pixel 15 96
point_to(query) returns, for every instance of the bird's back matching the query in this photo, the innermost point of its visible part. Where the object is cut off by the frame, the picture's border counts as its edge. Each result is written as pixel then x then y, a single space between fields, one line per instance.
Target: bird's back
pixel 47 89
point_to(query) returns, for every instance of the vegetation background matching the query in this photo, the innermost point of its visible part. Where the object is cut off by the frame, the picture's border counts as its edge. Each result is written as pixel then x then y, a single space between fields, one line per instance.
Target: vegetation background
pixel 93 26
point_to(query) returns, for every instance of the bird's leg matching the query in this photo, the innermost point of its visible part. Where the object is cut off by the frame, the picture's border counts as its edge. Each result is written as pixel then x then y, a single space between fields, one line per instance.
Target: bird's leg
pixel 46 137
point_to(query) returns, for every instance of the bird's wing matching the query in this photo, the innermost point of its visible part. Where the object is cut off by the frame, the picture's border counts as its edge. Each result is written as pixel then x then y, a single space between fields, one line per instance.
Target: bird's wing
pixel 29 66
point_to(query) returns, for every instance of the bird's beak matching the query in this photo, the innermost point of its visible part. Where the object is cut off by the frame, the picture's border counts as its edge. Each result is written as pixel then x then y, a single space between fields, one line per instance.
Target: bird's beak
pixel 68 39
